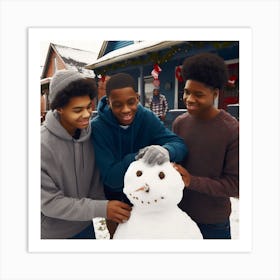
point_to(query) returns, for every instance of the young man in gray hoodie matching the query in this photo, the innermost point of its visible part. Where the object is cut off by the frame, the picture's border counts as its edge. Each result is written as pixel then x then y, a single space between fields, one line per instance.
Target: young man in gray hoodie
pixel 71 189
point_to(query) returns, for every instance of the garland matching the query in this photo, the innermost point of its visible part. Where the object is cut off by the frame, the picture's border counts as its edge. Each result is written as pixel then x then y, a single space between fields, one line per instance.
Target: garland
pixel 161 57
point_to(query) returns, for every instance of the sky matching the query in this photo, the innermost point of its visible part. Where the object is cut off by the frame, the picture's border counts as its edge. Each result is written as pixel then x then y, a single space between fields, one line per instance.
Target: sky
pixel 93 46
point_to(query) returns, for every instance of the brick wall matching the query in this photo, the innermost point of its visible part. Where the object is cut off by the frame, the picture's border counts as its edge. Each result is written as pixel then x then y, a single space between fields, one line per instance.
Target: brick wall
pixel 59 62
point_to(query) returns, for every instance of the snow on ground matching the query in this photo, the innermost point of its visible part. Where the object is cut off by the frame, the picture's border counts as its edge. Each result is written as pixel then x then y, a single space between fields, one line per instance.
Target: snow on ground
pixel 100 228
pixel 102 232
pixel 234 218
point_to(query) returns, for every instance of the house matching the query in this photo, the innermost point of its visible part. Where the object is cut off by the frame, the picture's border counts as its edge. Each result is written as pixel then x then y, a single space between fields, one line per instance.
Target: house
pixel 159 63
pixel 62 57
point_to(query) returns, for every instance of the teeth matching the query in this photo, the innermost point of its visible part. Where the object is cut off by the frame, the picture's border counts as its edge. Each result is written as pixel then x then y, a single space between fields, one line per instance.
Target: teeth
pixel 127 117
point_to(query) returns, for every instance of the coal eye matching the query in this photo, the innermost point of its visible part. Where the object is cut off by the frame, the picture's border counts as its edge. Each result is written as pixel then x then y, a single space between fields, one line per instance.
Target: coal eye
pixel 139 173
pixel 161 175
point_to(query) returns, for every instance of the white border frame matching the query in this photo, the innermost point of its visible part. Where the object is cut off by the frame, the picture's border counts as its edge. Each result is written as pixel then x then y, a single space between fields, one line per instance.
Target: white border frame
pixel 244 243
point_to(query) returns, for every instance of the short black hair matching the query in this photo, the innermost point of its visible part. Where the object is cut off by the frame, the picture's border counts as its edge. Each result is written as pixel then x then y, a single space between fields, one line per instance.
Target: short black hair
pixel 207 68
pixel 120 80
pixel 81 87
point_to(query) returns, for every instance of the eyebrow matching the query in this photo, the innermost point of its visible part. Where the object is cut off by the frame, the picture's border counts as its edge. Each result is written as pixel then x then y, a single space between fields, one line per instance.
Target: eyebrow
pixel 194 91
pixel 129 99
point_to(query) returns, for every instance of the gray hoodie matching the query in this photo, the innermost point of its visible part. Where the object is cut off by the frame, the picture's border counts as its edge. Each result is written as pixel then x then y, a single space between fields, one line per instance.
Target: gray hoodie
pixel 71 189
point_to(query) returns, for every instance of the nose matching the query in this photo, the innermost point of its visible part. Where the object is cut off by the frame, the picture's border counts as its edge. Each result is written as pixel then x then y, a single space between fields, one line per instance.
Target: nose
pixel 86 113
pixel 125 109
pixel 190 98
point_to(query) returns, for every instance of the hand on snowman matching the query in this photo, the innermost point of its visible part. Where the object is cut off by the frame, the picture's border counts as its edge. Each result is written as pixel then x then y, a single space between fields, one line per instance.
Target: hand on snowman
pixel 184 173
pixel 153 154
pixel 118 211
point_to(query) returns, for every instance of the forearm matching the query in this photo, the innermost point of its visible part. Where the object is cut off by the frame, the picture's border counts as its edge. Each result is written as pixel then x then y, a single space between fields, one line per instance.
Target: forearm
pixel 177 150
pixel 226 186
pixel 56 205
pixel 72 209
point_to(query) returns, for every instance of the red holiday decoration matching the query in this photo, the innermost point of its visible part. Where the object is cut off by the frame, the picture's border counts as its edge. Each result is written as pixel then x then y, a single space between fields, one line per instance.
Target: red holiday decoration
pixel 178 74
pixel 156 71
pixel 232 80
pixel 103 77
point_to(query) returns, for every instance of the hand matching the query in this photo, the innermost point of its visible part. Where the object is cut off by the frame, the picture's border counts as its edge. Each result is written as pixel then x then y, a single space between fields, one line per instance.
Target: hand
pixel 118 211
pixel 184 173
pixel 162 117
pixel 153 154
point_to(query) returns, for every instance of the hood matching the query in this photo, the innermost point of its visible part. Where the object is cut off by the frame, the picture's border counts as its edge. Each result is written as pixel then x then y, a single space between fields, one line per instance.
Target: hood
pixel 52 123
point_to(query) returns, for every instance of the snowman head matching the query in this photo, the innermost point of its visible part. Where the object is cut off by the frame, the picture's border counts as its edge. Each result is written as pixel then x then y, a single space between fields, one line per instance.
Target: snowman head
pixel 153 188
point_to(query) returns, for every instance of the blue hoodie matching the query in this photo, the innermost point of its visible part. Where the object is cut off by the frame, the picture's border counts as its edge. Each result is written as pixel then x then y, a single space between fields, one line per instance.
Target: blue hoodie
pixel 116 147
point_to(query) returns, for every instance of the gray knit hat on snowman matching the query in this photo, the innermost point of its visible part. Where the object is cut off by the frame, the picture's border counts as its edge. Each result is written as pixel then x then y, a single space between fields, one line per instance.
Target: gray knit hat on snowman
pixel 61 80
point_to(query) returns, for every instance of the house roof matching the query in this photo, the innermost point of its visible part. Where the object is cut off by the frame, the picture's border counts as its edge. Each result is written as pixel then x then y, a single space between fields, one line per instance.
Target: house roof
pixel 72 58
pixel 108 46
pixel 131 51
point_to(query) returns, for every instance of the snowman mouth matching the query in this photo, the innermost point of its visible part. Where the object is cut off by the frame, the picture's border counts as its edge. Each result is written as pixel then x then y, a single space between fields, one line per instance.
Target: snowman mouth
pixel 146 189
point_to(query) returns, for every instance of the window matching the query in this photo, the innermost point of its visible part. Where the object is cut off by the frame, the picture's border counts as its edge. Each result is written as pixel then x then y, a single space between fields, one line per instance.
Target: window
pixel 148 89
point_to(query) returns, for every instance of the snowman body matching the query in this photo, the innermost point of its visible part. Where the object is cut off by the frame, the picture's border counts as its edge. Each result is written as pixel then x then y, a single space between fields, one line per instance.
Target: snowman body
pixel 155 192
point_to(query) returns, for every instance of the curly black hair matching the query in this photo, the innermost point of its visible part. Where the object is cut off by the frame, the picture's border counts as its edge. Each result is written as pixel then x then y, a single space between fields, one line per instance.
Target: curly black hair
pixel 120 80
pixel 81 87
pixel 207 68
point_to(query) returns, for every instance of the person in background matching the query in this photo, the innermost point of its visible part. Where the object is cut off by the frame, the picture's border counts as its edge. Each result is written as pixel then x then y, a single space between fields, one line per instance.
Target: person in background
pixel 71 190
pixel 211 170
pixel 158 104
pixel 123 131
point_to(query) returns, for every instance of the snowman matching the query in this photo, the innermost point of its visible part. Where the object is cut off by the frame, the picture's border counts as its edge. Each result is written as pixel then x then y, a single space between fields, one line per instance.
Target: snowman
pixel 155 192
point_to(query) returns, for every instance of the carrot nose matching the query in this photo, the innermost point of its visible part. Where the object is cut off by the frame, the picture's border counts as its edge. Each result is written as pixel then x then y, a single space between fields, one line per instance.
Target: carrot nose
pixel 145 188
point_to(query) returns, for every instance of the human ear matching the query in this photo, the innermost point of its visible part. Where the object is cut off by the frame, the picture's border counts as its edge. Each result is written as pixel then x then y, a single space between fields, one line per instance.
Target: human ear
pixel 216 93
pixel 108 102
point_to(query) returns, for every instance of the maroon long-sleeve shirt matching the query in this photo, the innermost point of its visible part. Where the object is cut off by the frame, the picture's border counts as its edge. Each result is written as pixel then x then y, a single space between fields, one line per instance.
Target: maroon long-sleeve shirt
pixel 213 162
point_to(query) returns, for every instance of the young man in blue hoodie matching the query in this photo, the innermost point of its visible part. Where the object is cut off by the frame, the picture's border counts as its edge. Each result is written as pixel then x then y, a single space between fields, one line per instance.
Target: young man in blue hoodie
pixel 124 131
pixel 71 190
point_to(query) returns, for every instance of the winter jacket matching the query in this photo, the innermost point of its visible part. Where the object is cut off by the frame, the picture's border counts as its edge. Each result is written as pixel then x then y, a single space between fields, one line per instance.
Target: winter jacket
pixel 70 181
pixel 116 147
pixel 213 162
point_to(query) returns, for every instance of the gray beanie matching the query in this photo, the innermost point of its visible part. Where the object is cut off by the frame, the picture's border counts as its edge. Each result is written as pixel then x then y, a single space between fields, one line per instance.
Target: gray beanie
pixel 61 80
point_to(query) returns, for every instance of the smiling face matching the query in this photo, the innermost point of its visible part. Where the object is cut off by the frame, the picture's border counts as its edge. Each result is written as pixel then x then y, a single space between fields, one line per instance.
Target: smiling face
pixel 76 114
pixel 153 188
pixel 123 103
pixel 156 92
pixel 199 99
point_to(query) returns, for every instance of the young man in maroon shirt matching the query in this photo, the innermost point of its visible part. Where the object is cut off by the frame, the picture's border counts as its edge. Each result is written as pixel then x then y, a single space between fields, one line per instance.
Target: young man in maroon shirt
pixel 211 169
